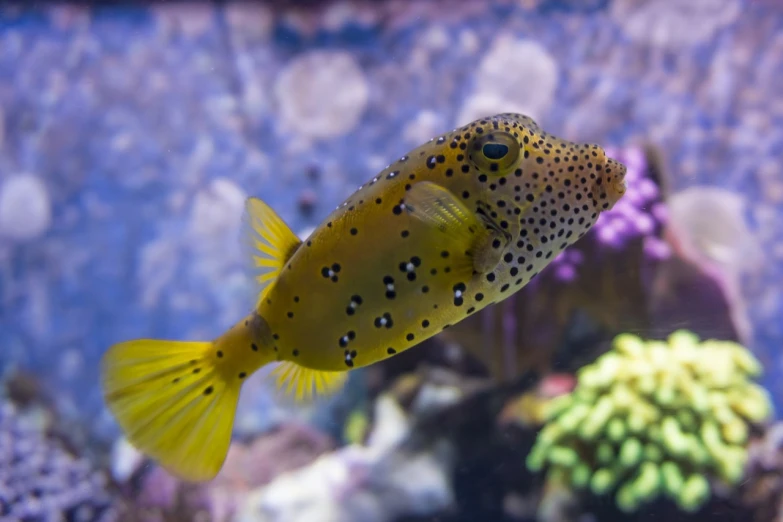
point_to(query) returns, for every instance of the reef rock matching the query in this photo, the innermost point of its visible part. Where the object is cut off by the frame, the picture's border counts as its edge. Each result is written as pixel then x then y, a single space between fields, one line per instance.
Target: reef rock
pixel 376 482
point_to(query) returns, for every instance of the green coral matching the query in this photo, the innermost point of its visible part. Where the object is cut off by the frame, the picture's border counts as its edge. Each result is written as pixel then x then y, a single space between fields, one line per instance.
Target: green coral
pixel 655 418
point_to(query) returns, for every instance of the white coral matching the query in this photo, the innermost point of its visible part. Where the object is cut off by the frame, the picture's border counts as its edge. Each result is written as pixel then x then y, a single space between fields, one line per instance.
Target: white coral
pixel 709 226
pixel 673 23
pixel 25 207
pixel 514 76
pixel 423 127
pixel 322 94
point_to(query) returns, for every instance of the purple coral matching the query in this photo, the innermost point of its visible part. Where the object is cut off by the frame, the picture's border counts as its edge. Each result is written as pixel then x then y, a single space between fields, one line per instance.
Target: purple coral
pixel 640 214
pixel 41 481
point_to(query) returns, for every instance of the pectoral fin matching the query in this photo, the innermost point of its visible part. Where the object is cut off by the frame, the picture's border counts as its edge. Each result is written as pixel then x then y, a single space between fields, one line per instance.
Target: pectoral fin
pixel 455 224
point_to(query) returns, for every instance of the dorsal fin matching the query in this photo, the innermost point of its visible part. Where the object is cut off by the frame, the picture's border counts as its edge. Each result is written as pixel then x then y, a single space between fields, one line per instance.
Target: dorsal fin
pixel 269 240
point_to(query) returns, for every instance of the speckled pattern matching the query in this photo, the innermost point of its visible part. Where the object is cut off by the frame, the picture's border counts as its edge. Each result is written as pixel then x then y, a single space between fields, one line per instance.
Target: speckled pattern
pixel 149 126
pixel 40 480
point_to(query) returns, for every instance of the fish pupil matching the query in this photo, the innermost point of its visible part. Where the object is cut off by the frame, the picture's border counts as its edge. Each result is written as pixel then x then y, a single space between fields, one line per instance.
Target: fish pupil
pixel 495 151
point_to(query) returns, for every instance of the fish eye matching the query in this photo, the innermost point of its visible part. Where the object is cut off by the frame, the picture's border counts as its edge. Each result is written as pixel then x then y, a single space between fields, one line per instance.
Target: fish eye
pixel 496 153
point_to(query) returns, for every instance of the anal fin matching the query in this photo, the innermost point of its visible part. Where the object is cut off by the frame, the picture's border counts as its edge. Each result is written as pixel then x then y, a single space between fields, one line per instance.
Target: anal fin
pixel 305 384
pixel 270 241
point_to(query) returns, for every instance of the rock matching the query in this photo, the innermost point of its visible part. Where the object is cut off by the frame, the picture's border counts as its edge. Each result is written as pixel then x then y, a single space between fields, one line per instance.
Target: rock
pixel 248 465
pixel 378 482
pixel 322 94
pixel 25 207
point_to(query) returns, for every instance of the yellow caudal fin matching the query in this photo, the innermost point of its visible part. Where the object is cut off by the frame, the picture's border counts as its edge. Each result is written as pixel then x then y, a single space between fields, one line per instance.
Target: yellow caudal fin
pixel 269 241
pixel 305 384
pixel 172 403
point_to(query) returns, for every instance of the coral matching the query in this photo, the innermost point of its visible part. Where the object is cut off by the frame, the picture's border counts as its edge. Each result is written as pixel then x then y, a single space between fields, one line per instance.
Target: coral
pixel 509 64
pixel 322 94
pixel 708 227
pixel 25 207
pixel 671 23
pixel 40 480
pixel 762 488
pixel 711 223
pixel 655 418
pixel 423 127
pixel 531 408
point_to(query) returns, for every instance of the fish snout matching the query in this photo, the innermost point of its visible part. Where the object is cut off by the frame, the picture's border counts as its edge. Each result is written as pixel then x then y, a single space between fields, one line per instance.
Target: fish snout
pixel 614 177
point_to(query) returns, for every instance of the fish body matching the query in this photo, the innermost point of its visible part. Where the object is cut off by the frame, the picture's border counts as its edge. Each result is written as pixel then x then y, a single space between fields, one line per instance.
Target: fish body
pixel 374 279
pixel 459 223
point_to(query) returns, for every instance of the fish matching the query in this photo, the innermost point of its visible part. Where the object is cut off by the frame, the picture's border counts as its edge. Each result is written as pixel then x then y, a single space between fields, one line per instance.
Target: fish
pixel 457 224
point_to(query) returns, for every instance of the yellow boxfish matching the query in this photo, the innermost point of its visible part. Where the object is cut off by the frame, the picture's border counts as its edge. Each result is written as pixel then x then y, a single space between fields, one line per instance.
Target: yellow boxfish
pixel 457 224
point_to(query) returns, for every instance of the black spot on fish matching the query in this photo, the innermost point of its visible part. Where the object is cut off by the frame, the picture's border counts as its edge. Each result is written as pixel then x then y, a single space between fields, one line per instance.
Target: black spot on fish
pixel 458 289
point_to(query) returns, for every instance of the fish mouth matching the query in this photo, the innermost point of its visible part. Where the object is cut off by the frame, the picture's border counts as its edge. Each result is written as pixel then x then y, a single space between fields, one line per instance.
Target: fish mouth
pixel 616 184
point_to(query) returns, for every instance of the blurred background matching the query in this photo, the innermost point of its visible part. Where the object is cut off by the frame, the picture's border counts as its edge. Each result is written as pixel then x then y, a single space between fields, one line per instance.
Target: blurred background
pixel 131 134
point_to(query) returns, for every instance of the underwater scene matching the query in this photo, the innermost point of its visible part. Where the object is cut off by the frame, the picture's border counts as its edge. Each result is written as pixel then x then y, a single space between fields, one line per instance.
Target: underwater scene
pixel 391 261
